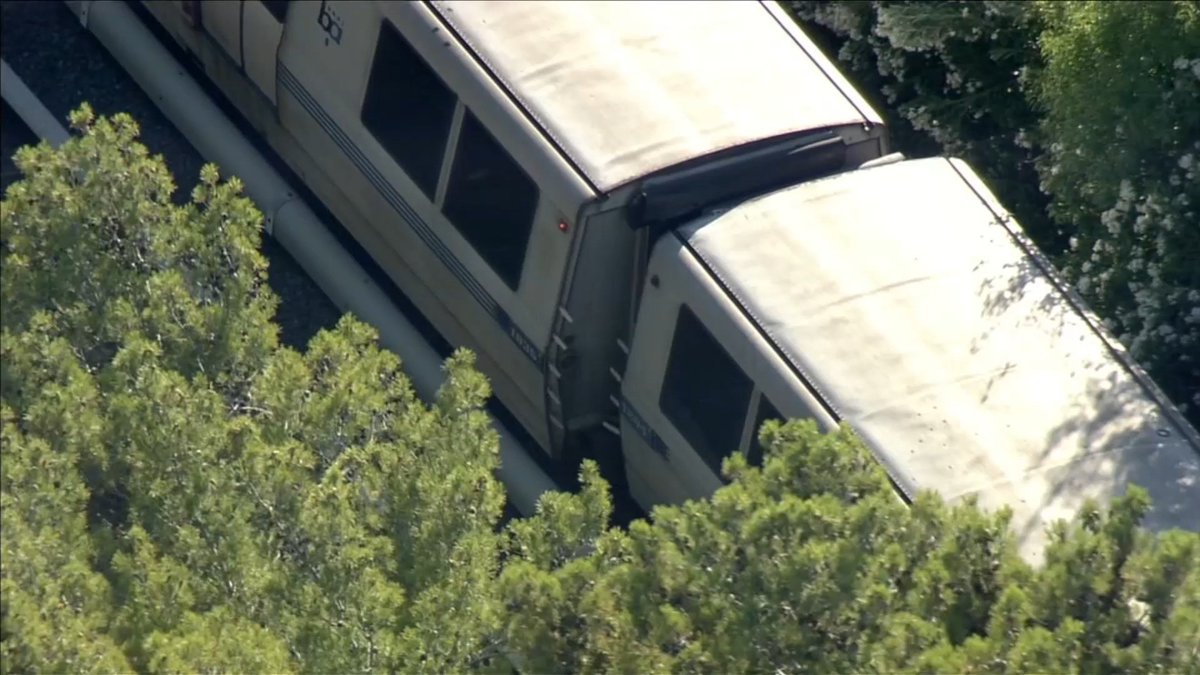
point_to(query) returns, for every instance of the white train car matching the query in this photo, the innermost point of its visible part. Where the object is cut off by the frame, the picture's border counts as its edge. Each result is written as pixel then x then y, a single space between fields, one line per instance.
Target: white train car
pixel 651 218
pixel 903 300
pixel 486 154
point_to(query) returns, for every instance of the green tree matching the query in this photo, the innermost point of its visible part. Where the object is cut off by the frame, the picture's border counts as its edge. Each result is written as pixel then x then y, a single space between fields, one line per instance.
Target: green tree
pixel 812 563
pixel 181 493
pixel 54 606
pixel 1120 92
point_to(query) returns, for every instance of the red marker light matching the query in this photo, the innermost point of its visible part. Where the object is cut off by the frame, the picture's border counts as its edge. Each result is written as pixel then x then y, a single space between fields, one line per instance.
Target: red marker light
pixel 562 226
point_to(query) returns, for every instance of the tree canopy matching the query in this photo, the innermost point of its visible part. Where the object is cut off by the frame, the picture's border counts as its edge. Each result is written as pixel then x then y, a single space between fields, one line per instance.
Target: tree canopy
pixel 181 493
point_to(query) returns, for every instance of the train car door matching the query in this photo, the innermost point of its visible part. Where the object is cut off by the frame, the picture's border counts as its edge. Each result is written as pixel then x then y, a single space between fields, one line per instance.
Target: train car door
pixel 262 32
pixel 699 384
pixel 249 32
pixel 223 23
pixel 688 387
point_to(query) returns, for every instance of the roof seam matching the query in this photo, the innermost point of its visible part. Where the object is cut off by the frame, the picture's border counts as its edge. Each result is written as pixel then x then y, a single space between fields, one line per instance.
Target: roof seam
pixel 1035 470
pixel 510 92
pixel 866 120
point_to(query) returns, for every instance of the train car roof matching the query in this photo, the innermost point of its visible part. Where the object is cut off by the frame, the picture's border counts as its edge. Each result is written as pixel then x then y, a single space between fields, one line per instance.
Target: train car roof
pixel 627 88
pixel 902 294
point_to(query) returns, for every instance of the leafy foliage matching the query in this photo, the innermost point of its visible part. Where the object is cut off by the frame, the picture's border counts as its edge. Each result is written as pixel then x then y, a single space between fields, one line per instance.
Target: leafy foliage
pixel 182 494
pixel 812 563
pixel 1120 91
pixel 950 74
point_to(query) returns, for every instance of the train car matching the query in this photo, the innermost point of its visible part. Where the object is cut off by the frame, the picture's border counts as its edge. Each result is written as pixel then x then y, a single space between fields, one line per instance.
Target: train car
pixel 487 154
pixel 673 221
pixel 903 300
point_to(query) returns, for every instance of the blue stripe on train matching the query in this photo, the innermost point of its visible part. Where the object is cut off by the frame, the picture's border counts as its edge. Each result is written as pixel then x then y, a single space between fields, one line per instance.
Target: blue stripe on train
pixel 406 213
pixel 643 428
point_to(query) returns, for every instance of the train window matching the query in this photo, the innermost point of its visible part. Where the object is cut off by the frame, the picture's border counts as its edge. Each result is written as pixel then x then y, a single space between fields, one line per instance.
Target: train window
pixel 766 411
pixel 705 394
pixel 491 200
pixel 277 8
pixel 408 109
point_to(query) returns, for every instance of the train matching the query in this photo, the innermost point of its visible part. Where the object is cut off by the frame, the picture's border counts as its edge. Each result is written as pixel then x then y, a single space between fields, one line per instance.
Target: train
pixel 660 224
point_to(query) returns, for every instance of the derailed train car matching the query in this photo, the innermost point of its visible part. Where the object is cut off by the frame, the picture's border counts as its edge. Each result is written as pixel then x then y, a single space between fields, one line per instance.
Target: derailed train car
pixel 659 225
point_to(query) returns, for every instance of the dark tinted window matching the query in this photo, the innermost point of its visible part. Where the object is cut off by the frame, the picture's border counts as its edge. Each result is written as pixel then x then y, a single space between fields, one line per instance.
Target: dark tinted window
pixel 408 109
pixel 766 411
pixel 491 200
pixel 277 8
pixel 705 394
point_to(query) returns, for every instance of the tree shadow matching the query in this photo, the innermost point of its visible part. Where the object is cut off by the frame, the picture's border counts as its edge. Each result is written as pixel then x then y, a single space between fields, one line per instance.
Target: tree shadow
pixel 1114 427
